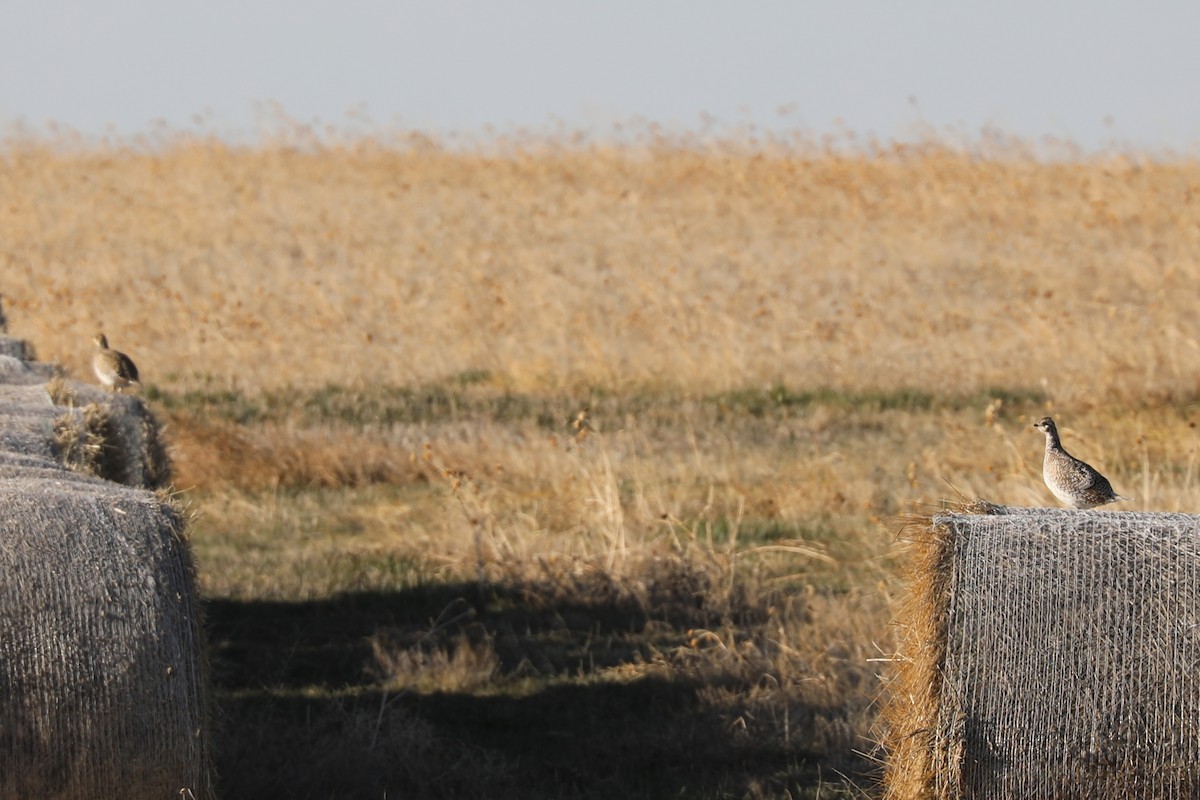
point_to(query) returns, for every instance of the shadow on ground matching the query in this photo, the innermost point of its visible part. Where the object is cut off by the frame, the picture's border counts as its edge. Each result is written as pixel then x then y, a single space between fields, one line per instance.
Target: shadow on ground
pixel 302 711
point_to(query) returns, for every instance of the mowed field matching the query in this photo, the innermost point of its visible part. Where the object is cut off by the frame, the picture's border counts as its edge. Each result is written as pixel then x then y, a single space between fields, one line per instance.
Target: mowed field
pixel 553 470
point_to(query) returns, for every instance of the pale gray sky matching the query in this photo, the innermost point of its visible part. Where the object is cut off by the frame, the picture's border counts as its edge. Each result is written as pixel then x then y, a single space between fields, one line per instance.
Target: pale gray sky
pixel 1090 71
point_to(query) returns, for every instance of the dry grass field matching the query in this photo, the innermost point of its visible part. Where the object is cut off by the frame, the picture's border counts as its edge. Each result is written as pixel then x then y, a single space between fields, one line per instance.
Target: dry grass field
pixel 548 469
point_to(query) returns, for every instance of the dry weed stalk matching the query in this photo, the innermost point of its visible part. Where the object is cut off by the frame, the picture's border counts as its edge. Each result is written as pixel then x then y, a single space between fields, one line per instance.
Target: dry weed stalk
pixel 597 473
pixel 475 506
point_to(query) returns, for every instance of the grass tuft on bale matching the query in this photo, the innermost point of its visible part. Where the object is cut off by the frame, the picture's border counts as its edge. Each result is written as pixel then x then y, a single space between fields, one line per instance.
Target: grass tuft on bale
pixel 111 436
pixel 79 435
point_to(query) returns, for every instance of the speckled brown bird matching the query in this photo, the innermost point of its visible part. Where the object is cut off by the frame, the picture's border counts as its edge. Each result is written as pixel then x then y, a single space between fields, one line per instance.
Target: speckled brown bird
pixel 114 369
pixel 1072 481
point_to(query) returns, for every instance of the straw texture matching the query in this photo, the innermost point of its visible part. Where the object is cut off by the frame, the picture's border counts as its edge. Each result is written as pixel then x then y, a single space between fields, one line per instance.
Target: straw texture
pixel 1049 653
pixel 102 660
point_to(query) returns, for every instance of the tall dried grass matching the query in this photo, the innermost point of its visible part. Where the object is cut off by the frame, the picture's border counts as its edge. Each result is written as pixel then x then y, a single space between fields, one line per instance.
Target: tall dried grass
pixel 590 564
pixel 552 265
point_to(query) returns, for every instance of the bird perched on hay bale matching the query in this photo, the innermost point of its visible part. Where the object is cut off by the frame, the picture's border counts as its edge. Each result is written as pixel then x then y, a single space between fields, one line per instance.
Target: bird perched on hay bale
pixel 1072 481
pixel 114 369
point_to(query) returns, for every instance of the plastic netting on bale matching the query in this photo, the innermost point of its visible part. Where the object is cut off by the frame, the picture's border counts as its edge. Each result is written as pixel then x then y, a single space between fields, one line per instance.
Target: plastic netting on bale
pixel 101 668
pixel 21 351
pixel 1050 653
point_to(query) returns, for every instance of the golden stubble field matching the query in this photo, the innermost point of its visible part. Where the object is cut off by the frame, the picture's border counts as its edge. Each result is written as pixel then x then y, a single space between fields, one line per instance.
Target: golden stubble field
pixel 553 267
pixel 513 463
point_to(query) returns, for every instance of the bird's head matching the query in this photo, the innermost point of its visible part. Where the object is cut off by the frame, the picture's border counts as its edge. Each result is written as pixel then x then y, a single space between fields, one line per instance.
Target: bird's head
pixel 100 339
pixel 1046 425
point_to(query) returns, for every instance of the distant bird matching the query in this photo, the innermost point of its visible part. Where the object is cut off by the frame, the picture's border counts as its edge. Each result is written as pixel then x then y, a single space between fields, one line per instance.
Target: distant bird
pixel 114 369
pixel 1073 482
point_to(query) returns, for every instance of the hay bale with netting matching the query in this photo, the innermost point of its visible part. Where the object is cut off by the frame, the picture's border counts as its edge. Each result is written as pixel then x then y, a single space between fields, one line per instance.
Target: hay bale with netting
pixel 27 430
pixel 114 436
pixel 16 370
pixel 101 439
pixel 103 679
pixel 21 350
pixel 1048 653
pixel 102 668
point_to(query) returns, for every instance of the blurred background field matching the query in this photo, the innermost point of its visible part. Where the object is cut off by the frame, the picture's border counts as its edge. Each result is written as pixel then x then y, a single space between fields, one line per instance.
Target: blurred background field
pixel 551 468
pixel 545 267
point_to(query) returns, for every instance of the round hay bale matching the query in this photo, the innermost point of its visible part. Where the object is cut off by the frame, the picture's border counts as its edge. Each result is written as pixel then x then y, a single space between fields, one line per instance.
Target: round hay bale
pixel 17 372
pixel 21 350
pixel 27 428
pixel 102 663
pixel 1049 653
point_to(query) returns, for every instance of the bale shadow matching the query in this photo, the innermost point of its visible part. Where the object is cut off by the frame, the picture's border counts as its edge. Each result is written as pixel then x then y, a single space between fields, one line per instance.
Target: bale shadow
pixel 327 643
pixel 301 712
